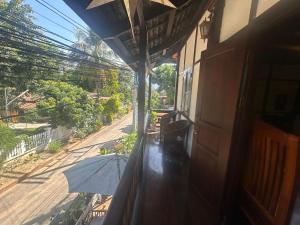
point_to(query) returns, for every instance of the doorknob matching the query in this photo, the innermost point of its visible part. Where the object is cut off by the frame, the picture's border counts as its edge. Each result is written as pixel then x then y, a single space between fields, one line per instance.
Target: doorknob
pixel 196 129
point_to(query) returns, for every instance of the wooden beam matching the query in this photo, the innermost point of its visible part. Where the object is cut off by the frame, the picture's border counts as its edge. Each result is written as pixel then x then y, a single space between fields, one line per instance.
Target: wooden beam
pixel 117 34
pixel 96 3
pixel 170 22
pixel 122 48
pixel 141 16
pixel 168 42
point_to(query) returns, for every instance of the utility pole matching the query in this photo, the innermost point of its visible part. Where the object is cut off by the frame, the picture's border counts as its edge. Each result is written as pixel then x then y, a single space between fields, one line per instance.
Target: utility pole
pixel 7 102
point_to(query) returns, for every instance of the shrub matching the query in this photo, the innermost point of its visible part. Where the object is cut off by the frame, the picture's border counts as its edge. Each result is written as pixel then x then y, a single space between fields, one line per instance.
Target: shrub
pixel 153 117
pixel 111 107
pixel 104 151
pixel 8 141
pixel 123 146
pixel 54 146
pixel 128 142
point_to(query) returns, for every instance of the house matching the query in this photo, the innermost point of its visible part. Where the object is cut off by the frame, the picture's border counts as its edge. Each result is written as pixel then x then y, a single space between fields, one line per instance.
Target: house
pixel 27 102
pixel 238 85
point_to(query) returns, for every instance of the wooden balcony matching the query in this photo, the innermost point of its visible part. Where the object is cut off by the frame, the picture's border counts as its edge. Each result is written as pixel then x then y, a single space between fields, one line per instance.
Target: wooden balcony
pixel 153 190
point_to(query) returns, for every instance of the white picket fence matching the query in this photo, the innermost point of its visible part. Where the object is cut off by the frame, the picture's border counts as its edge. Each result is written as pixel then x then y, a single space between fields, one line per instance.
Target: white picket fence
pixel 39 142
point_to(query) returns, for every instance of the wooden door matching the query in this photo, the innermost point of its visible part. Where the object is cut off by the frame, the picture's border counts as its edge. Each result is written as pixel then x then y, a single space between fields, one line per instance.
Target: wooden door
pixel 218 94
pixel 269 181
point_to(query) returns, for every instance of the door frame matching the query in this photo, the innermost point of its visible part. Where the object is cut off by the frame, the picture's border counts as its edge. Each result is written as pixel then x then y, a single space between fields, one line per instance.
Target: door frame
pixel 245 116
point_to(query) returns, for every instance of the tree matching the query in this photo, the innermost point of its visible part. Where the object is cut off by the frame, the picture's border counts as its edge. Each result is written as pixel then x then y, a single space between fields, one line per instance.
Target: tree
pixel 8 141
pixel 165 77
pixel 19 47
pixel 111 107
pixel 155 100
pixel 68 105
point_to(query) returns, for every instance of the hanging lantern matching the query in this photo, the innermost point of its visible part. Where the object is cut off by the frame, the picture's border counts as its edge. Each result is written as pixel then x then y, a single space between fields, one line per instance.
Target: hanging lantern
pixel 205 27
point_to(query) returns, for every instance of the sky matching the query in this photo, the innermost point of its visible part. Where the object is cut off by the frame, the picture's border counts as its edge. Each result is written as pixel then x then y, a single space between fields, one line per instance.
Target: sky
pixel 61 6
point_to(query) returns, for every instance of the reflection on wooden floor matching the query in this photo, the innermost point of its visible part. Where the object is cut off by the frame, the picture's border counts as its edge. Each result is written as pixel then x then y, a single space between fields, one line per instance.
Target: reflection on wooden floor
pixel 165 187
pixel 166 194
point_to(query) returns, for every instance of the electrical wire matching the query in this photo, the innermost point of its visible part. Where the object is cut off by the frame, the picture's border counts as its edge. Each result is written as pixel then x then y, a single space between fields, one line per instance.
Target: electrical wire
pixel 70 48
pixel 21 46
pixel 62 15
pixel 52 21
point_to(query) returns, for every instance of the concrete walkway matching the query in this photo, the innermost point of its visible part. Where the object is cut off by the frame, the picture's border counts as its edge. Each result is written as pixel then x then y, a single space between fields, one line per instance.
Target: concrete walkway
pixel 37 199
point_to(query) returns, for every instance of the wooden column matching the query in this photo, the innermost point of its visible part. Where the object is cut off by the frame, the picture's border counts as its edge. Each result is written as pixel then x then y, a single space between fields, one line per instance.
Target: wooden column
pixel 177 77
pixel 141 80
pixel 150 91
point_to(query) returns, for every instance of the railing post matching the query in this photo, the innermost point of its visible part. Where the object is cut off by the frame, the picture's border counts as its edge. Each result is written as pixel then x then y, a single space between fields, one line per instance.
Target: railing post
pixel 141 80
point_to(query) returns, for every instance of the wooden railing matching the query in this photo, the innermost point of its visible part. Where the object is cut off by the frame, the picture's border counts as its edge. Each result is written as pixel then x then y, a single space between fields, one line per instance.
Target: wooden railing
pixel 121 209
pixel 270 175
pixel 98 213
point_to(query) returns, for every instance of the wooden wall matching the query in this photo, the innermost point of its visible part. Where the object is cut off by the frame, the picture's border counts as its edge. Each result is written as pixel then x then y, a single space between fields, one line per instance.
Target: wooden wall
pixel 236 15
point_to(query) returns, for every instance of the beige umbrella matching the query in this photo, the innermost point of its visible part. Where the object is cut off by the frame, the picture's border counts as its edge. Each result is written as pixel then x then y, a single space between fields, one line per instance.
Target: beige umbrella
pixel 99 174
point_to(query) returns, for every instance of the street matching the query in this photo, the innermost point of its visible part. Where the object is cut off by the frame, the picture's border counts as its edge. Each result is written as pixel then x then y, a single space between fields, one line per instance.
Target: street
pixel 41 196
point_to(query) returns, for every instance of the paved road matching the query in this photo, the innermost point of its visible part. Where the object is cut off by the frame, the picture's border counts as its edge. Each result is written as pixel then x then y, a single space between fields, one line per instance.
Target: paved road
pixel 43 194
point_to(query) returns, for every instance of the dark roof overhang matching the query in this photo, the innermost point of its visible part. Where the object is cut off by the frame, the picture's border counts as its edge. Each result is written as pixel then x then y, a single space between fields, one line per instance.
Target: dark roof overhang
pixel 167 28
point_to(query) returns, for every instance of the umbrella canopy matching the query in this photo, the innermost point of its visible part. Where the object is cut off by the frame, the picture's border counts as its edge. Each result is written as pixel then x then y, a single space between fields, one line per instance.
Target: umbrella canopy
pixel 100 174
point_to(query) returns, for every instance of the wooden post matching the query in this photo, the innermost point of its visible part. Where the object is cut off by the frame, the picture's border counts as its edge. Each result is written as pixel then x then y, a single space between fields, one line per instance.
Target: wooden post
pixel 134 104
pixel 141 80
pixel 150 91
pixel 177 78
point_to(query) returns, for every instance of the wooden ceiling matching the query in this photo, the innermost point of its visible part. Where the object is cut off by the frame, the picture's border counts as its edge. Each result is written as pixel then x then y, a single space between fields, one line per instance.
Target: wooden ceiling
pixel 167 28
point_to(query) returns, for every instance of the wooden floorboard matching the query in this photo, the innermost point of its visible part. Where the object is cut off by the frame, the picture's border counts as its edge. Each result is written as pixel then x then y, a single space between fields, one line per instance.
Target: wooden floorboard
pixel 164 187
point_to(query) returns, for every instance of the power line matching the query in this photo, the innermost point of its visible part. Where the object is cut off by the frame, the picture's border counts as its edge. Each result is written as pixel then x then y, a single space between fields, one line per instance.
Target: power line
pixel 44 79
pixel 38 50
pixel 46 54
pixel 52 21
pixel 62 15
pixel 69 48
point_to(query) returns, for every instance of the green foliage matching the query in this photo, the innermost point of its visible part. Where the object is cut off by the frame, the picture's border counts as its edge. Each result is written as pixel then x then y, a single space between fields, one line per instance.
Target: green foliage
pixel 18 63
pixel 104 151
pixel 68 105
pixel 28 131
pixel 111 107
pixel 128 142
pixel 111 84
pixel 165 77
pixel 31 116
pixel 54 146
pixel 72 214
pixel 155 100
pixel 8 141
pixel 153 117
pixel 124 146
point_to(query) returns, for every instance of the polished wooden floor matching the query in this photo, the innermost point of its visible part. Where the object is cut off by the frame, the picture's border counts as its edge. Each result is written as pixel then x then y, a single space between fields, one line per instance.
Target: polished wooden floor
pixel 168 197
pixel 165 187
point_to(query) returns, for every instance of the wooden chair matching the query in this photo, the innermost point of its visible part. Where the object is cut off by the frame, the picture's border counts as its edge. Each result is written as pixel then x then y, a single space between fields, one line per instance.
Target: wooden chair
pixel 175 134
pixel 164 121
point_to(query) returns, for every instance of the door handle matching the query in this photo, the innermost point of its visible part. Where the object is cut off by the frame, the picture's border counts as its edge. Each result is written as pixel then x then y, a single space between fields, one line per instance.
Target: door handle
pixel 196 130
